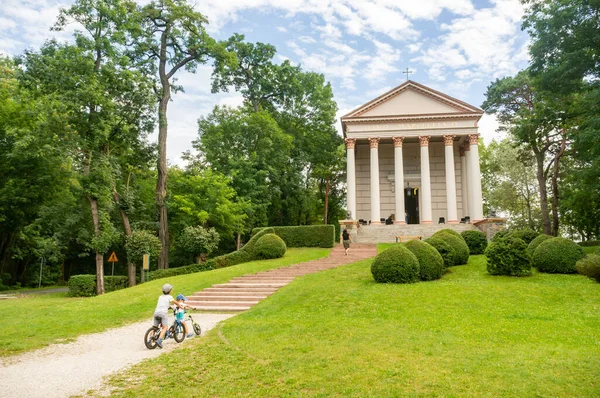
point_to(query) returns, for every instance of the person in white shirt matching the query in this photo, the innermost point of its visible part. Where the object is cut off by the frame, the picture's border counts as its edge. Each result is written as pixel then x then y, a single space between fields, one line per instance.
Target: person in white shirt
pixel 161 312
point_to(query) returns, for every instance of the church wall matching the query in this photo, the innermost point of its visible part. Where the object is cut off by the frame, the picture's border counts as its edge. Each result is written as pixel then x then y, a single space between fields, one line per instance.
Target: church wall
pixel 412 167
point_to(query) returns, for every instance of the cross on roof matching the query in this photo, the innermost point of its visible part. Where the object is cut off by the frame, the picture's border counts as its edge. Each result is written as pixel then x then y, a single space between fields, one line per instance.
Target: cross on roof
pixel 407 72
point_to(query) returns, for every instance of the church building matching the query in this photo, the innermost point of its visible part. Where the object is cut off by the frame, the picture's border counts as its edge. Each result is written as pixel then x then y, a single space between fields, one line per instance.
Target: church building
pixel 412 158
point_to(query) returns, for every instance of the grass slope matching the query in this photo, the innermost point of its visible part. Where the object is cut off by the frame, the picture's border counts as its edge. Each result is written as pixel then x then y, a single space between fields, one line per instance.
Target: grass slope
pixel 338 333
pixel 36 321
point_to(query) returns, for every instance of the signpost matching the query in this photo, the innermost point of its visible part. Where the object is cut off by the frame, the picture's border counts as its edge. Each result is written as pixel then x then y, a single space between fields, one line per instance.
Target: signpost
pixel 146 266
pixel 113 259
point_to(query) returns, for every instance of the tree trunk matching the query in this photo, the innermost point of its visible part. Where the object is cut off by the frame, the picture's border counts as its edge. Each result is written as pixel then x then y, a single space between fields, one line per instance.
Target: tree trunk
pixel 99 256
pixel 161 183
pixel 127 229
pixel 555 192
pixel 327 190
pixel 239 241
pixel 539 157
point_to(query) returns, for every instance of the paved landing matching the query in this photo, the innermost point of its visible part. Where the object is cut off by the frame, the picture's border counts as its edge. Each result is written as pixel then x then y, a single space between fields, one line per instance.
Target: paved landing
pixel 241 293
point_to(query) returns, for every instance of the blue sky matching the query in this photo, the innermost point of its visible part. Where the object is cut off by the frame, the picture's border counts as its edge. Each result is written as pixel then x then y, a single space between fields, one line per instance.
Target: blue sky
pixel 454 46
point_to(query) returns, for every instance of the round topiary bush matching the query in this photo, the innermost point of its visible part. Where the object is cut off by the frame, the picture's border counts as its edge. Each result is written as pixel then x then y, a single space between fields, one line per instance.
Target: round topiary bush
pixel 449 231
pixel 431 263
pixel 500 235
pixel 526 234
pixel 536 242
pixel 458 244
pixel 444 249
pixel 476 240
pixel 557 256
pixel 508 256
pixel 589 266
pixel 395 265
pixel 269 246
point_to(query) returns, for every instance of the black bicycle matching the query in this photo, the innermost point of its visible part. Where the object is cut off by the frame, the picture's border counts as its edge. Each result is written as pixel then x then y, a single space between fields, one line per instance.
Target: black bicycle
pixel 195 325
pixel 175 331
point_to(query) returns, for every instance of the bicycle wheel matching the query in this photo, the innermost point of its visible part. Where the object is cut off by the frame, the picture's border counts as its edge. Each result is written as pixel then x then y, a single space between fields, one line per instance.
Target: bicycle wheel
pixel 178 332
pixel 197 329
pixel 150 337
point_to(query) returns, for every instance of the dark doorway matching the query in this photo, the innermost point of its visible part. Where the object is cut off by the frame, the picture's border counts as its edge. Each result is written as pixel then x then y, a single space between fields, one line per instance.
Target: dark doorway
pixel 411 204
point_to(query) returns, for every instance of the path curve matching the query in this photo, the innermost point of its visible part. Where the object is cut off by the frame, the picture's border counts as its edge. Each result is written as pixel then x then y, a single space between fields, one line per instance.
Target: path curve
pixel 63 370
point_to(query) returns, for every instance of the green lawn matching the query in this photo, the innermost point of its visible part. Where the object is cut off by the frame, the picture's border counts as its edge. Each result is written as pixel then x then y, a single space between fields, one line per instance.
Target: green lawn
pixel 36 321
pixel 337 333
pixel 591 249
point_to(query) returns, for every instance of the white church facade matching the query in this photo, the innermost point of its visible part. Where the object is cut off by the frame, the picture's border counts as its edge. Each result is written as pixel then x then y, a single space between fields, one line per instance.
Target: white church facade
pixel 412 157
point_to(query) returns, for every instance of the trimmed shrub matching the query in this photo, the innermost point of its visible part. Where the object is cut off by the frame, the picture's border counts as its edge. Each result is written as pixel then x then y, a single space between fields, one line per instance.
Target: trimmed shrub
pixel 459 245
pixel 448 231
pixel 305 235
pixel 536 242
pixel 188 269
pixel 444 249
pixel 431 263
pixel 476 240
pixel 500 235
pixel 112 283
pixel 558 256
pixel 525 234
pixel 508 256
pixel 395 265
pixel 270 246
pixel 590 243
pixel 589 266
pixel 82 285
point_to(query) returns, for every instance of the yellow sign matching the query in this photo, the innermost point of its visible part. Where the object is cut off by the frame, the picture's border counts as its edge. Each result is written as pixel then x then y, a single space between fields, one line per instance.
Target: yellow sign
pixel 113 258
pixel 146 262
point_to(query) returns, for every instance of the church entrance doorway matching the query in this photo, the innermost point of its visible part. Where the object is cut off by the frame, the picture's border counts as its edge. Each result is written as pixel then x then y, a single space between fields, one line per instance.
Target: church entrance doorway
pixel 411 204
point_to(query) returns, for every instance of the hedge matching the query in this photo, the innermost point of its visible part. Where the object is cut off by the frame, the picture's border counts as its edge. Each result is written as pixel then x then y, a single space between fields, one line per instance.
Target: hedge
pixel 270 246
pixel 431 263
pixel 444 249
pixel 558 256
pixel 85 285
pixel 245 254
pixel 305 235
pixel 476 240
pixel 458 244
pixel 395 265
pixel 590 243
pixel 508 256
pixel 589 266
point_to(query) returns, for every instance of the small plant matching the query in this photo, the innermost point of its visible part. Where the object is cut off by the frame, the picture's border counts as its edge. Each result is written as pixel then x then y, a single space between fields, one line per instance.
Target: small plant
pixel 476 240
pixel 444 249
pixel 536 242
pixel 589 266
pixel 508 256
pixel 526 234
pixel 395 265
pixel 270 246
pixel 558 256
pixel 431 263
pixel 458 244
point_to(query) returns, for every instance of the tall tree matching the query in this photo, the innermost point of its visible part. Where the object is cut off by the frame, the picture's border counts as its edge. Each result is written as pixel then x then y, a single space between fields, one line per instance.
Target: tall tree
pixel 170 35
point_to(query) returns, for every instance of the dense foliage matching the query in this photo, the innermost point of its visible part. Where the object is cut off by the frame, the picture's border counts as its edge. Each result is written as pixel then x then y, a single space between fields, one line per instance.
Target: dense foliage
pixel 270 246
pixel 527 235
pixel 395 265
pixel 508 256
pixel 536 242
pixel 589 266
pixel 445 250
pixel 558 256
pixel 199 242
pixel 461 250
pixel 306 235
pixel 431 263
pixel 476 240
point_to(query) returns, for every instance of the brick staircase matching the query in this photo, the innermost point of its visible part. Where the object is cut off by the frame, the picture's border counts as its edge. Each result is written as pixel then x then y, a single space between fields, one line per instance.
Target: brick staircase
pixel 241 293
pixel 371 234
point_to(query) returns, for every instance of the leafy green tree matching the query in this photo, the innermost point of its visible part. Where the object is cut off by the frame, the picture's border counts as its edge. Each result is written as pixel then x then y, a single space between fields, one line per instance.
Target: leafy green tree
pixel 139 243
pixel 169 35
pixel 199 242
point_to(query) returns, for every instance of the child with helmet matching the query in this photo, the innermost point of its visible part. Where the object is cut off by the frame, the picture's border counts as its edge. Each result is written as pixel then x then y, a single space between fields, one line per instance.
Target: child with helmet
pixel 180 312
pixel 161 312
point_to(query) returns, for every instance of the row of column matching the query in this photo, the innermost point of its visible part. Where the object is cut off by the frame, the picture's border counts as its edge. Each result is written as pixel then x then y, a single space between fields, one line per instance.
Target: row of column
pixel 471 191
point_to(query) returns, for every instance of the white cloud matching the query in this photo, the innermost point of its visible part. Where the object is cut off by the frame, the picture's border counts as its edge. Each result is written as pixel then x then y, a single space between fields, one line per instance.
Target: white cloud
pixel 488 128
pixel 384 62
pixel 281 29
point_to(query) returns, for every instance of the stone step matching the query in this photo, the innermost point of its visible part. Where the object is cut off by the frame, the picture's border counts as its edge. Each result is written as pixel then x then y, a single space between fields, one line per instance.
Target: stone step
pixel 251 285
pixel 223 303
pixel 232 292
pixel 226 288
pixel 224 297
pixel 230 308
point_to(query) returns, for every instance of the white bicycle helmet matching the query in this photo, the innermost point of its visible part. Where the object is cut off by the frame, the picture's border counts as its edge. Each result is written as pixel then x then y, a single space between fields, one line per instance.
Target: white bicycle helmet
pixel 166 288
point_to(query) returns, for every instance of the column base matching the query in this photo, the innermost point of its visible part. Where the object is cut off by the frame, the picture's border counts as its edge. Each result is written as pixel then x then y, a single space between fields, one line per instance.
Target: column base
pixel 400 222
pixel 453 222
pixel 427 222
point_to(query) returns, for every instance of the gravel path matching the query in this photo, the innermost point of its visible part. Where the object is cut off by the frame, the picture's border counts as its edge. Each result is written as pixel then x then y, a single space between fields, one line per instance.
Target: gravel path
pixel 63 370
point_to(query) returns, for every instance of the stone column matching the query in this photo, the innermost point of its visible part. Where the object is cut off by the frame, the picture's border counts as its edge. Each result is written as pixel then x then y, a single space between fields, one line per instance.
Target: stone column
pixel 399 179
pixel 475 180
pixel 425 211
pixel 351 177
pixel 463 179
pixel 375 203
pixel 450 180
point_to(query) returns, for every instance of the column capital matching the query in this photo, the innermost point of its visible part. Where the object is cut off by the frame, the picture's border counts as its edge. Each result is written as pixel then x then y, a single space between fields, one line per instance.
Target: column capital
pixel 398 141
pixel 473 139
pixel 350 143
pixel 424 140
pixel 449 139
pixel 374 142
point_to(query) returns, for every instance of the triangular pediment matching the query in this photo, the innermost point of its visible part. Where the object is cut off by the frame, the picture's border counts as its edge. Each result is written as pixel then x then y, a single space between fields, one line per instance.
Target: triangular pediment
pixel 410 99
